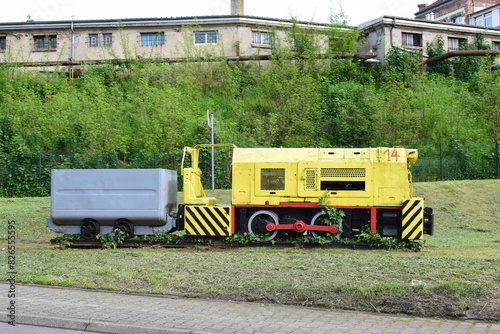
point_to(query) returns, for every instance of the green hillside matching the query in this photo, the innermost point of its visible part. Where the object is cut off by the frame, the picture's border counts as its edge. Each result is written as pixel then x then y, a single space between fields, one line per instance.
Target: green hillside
pixel 466 212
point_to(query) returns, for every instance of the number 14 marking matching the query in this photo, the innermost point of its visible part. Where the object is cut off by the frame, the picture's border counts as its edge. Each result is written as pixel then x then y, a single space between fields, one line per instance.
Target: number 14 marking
pixel 392 154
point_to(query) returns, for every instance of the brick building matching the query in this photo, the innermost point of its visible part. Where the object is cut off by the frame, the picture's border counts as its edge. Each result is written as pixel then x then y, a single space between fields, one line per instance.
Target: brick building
pixel 454 11
pixel 488 17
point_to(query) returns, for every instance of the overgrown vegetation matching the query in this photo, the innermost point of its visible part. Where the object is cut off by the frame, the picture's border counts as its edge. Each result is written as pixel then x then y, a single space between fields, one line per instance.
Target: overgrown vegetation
pixel 112 239
pixel 377 241
pixel 463 68
pixel 130 109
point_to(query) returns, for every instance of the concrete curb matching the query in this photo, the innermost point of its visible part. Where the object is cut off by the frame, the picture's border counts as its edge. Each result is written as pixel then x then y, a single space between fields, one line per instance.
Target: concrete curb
pixel 92 326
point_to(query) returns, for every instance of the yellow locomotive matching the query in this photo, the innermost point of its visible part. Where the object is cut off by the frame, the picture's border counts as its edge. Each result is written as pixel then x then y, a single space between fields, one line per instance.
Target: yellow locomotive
pixel 274 190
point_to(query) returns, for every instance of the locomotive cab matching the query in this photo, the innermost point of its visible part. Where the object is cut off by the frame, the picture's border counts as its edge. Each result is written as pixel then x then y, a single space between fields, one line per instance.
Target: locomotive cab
pixel 199 214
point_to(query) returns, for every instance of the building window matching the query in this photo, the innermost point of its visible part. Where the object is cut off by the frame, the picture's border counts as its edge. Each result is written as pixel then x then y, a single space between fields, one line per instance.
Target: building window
pixel 495 45
pixel 209 37
pixel 412 39
pixel 3 43
pixel 47 42
pixel 262 38
pixel 107 39
pixel 458 20
pixel 485 20
pixel 455 43
pixel 303 43
pixel 93 40
pixel 152 38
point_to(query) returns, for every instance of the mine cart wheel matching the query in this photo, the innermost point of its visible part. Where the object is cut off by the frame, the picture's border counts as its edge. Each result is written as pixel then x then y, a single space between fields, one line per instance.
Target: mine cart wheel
pixel 89 229
pixel 125 226
pixel 318 221
pixel 257 224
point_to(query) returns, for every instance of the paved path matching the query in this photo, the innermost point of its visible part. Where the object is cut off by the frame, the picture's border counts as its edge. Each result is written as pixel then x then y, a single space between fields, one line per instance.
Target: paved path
pixel 109 312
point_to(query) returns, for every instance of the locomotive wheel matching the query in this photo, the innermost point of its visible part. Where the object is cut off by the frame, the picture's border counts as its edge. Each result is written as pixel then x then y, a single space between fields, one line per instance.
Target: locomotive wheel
pixel 257 224
pixel 89 229
pixel 318 221
pixel 125 226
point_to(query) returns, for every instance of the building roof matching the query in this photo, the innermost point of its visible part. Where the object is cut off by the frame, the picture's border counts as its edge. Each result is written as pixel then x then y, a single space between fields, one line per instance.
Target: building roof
pixel 445 26
pixel 166 20
pixel 433 6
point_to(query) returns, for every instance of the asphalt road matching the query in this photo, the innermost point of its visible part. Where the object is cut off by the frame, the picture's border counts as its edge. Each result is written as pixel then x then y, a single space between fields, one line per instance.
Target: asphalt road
pixel 25 329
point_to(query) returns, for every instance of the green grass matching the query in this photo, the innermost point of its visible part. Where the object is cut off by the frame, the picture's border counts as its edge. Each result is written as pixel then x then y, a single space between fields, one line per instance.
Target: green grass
pixel 29 215
pixel 465 212
pixel 333 278
pixel 460 265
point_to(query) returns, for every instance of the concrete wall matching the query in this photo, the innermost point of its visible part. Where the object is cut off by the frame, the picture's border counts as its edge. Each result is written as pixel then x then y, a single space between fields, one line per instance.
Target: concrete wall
pixel 234 39
pixel 386 32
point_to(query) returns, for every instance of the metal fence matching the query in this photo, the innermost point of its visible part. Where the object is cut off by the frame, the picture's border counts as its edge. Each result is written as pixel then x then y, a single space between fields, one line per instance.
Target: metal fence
pixel 23 175
pixel 29 174
pixel 457 161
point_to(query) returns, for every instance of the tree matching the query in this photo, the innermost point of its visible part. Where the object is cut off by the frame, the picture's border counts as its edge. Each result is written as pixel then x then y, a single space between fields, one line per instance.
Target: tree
pixel 435 49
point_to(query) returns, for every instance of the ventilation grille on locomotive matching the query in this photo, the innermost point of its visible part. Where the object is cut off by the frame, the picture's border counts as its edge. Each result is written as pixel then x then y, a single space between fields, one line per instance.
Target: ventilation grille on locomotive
pixel 343 172
pixel 310 179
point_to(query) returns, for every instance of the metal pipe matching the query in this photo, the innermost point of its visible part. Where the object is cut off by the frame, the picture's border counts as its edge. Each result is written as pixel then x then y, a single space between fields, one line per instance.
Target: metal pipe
pixel 72 40
pixel 392 29
pixel 211 126
pixel 357 55
pixel 462 53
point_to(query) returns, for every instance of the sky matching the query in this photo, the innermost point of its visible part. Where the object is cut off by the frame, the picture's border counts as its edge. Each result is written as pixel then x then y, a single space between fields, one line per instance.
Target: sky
pixel 357 11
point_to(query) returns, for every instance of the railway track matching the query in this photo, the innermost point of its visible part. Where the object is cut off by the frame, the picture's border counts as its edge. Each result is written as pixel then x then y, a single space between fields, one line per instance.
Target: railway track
pixel 139 243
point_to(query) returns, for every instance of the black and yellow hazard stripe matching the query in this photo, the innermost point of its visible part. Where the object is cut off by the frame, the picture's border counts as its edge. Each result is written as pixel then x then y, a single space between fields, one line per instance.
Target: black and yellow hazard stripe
pixel 207 220
pixel 413 219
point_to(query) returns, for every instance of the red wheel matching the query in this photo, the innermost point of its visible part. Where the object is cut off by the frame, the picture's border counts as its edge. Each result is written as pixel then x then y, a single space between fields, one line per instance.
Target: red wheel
pixel 318 221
